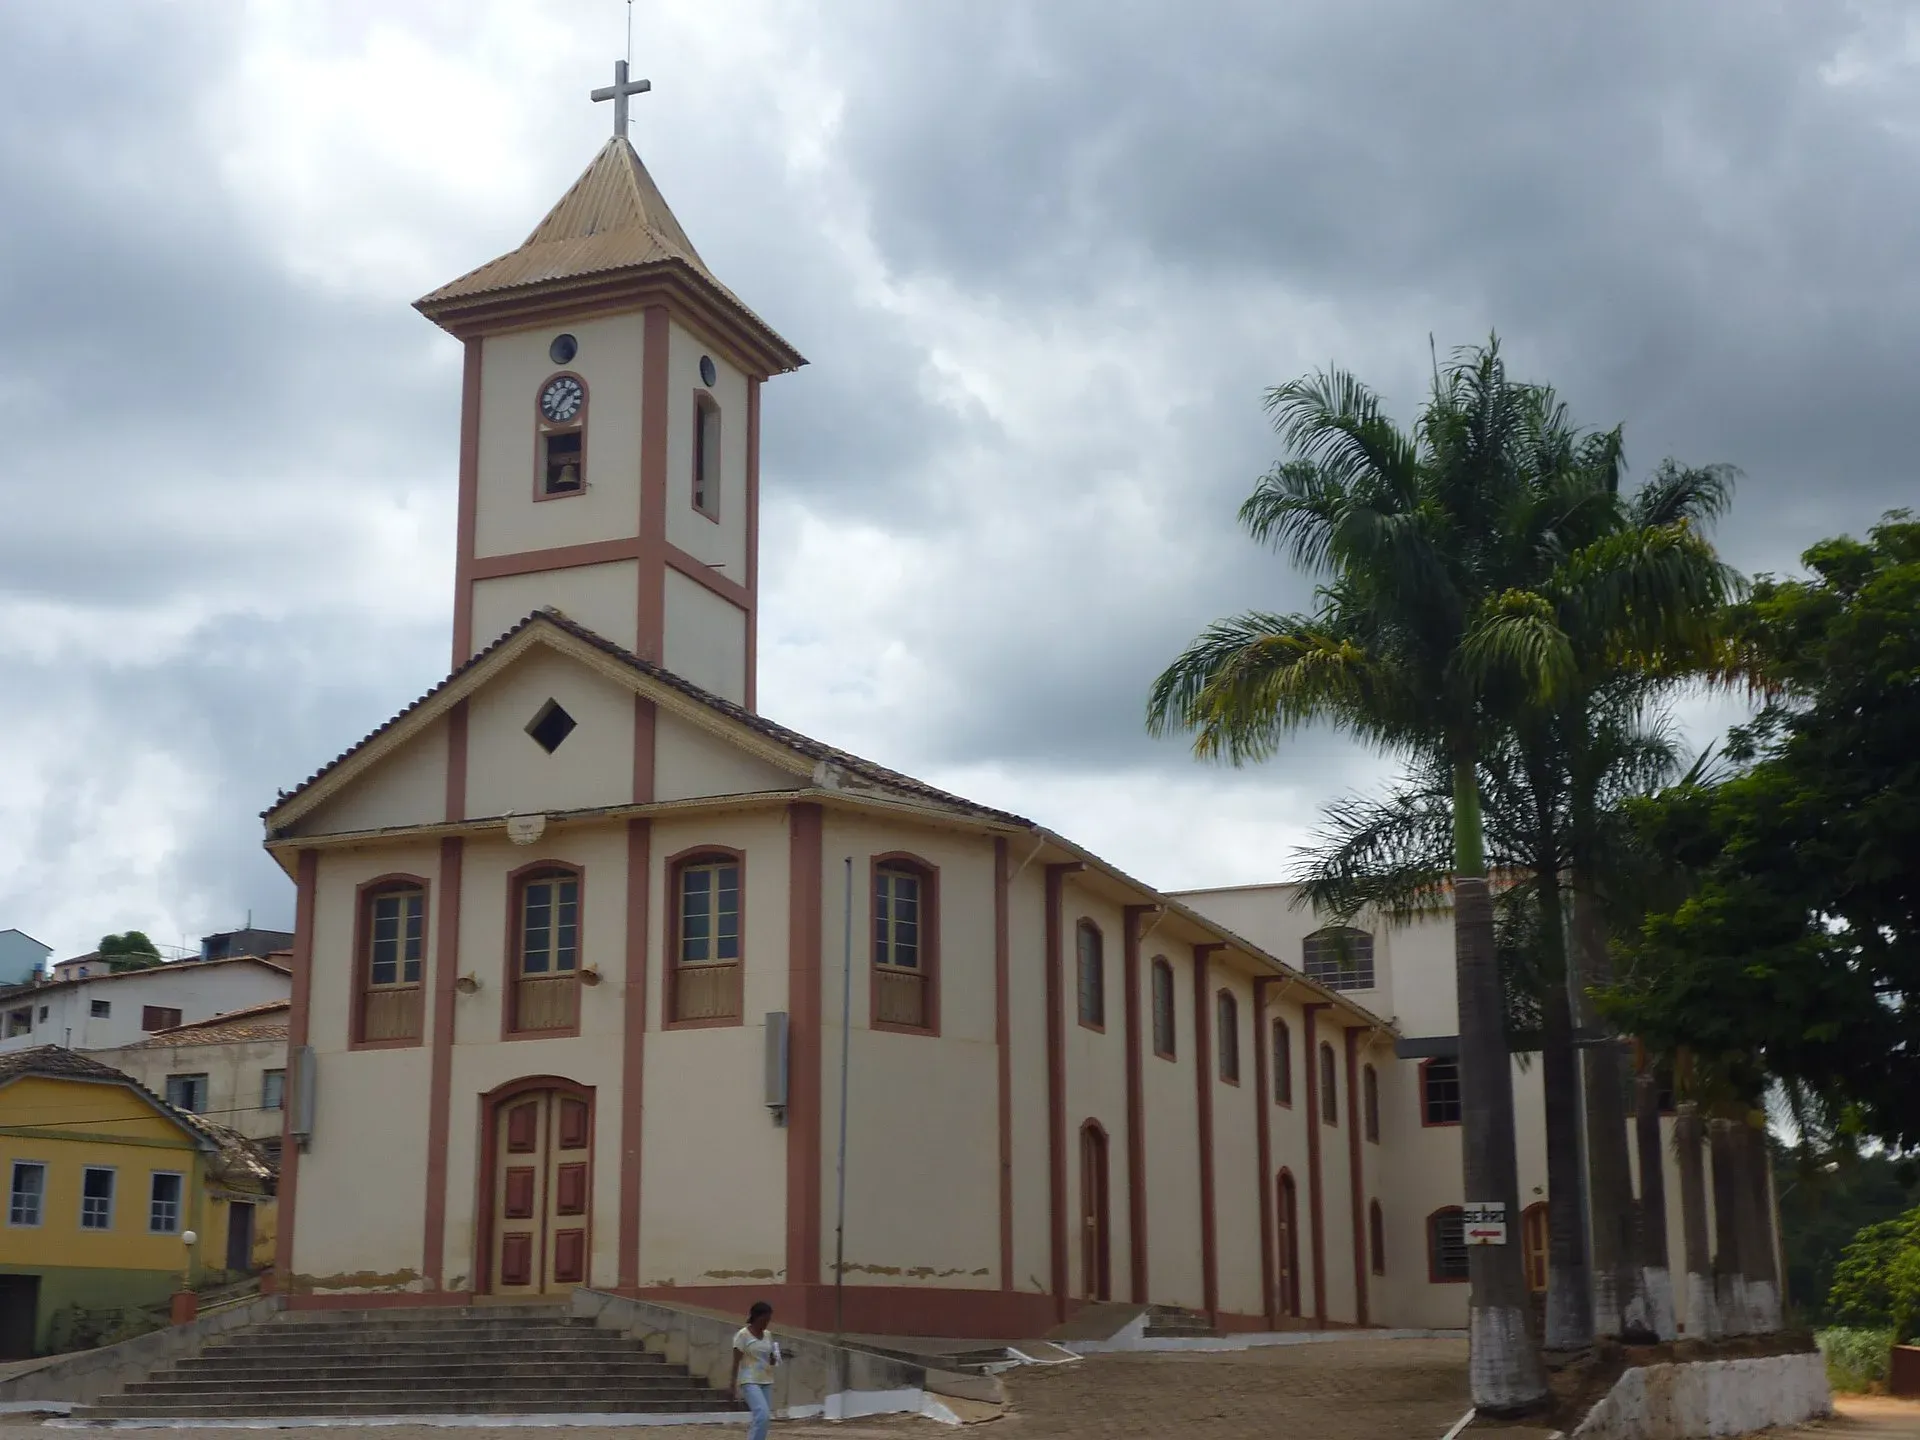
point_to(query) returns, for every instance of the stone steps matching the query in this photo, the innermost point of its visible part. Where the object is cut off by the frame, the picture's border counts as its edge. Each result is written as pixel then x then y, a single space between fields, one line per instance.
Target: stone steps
pixel 492 1362
pixel 1170 1322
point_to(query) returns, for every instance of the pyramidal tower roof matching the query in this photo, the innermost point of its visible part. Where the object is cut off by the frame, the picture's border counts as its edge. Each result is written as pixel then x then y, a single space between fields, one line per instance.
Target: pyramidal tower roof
pixel 611 240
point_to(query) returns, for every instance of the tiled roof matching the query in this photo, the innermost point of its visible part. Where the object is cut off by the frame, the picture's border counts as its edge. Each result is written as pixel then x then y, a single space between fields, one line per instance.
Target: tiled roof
pixel 613 219
pixel 238 1161
pixel 168 967
pixel 800 744
pixel 255 1022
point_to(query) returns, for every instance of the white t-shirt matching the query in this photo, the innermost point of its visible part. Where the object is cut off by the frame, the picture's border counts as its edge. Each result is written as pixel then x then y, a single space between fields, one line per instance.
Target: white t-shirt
pixel 758 1355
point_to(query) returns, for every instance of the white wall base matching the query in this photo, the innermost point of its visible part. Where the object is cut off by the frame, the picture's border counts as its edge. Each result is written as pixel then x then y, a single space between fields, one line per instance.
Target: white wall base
pixel 1709 1398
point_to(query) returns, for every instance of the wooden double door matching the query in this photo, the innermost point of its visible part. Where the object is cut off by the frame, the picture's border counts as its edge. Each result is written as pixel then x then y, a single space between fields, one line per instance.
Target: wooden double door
pixel 542 1192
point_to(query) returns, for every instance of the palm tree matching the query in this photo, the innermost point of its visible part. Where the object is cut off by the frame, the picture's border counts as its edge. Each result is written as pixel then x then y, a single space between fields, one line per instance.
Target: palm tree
pixel 1418 539
pixel 1642 605
pixel 1636 591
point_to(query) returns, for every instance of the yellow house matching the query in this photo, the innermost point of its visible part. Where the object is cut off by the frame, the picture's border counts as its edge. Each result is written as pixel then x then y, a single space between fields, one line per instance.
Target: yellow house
pixel 105 1183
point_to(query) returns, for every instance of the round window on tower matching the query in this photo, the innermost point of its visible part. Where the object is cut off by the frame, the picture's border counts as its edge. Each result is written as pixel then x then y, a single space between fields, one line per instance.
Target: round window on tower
pixel 707 373
pixel 563 349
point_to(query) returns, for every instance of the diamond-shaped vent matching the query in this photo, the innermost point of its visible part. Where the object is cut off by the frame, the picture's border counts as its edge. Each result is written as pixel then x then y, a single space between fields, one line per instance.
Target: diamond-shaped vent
pixel 551 726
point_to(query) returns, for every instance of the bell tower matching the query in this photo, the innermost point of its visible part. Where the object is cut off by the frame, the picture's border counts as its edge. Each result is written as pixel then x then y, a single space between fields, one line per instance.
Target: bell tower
pixel 610 430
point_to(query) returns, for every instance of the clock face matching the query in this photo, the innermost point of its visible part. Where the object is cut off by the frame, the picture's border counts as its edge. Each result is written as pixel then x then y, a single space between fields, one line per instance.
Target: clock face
pixel 562 398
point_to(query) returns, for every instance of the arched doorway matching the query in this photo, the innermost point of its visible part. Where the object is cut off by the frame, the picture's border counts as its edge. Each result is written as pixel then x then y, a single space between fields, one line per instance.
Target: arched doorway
pixel 536 1232
pixel 1289 1235
pixel 1096 1266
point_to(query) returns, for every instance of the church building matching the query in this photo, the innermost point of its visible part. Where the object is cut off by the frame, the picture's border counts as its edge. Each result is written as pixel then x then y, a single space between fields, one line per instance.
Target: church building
pixel 582 937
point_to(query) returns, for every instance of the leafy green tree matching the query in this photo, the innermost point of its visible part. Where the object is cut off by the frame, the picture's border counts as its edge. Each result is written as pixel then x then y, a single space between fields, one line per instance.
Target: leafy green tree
pixel 1794 954
pixel 129 951
pixel 1877 1280
pixel 1827 1199
pixel 1421 541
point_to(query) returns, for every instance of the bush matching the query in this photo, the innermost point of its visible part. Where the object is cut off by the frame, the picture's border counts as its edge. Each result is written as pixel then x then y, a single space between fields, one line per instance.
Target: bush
pixel 1876 1283
pixel 1856 1359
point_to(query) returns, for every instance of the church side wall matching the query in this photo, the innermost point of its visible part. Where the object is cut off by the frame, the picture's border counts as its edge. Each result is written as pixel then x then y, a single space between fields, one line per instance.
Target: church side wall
pixel 1287 1130
pixel 362 1187
pixel 1236 1166
pixel 1096 1084
pixel 923 1160
pixel 713 1166
pixel 1170 1106
pixel 1027 1023
pixel 513 367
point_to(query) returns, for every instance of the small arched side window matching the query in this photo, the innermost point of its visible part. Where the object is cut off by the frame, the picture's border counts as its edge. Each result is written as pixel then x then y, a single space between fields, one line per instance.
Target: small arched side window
pixel 1282 1063
pixel 905 944
pixel 1091 975
pixel 1370 1102
pixel 1377 1238
pixel 1227 1015
pixel 1447 1246
pixel 1329 1078
pixel 706 455
pixel 391 963
pixel 1163 1013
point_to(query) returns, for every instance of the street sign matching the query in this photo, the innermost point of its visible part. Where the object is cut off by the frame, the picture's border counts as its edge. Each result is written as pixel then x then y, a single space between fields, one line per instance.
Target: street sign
pixel 1484 1222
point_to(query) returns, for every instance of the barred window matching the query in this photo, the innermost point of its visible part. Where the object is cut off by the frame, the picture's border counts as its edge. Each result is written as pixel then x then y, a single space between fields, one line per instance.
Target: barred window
pixel 1163 1014
pixel 1440 1091
pixel 1092 976
pixel 1446 1246
pixel 1340 958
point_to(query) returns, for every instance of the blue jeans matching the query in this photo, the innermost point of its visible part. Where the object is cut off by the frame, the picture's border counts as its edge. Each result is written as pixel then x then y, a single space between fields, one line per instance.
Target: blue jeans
pixel 759 1400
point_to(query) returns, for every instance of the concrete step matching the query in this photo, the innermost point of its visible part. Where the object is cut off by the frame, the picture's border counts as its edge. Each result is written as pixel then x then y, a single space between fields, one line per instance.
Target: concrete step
pixel 617 1404
pixel 669 1385
pixel 422 1344
pixel 451 1366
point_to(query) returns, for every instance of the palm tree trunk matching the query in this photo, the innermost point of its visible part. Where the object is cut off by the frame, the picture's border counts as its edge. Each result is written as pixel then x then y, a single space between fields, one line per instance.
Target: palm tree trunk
pixel 1729 1186
pixel 1652 1229
pixel 1763 1288
pixel 1620 1297
pixel 1569 1323
pixel 1703 1306
pixel 1504 1371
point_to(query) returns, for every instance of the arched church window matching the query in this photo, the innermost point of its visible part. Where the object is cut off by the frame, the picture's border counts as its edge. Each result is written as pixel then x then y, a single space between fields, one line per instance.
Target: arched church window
pixel 1163 1017
pixel 1370 1102
pixel 905 944
pixel 706 455
pixel 560 447
pixel 705 938
pixel 1329 1095
pixel 1227 1013
pixel 391 963
pixel 1091 975
pixel 1282 1063
pixel 545 993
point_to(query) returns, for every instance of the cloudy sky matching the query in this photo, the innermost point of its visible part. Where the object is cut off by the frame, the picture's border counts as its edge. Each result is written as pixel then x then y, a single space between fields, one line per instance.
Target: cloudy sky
pixel 1044 258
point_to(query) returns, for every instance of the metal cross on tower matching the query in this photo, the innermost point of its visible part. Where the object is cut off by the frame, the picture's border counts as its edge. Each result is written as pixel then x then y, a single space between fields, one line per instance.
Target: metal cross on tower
pixel 618 93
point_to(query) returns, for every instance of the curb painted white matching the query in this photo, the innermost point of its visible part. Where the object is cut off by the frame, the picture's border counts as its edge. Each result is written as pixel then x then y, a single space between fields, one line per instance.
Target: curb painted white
pixel 1710 1398
pixel 1131 1341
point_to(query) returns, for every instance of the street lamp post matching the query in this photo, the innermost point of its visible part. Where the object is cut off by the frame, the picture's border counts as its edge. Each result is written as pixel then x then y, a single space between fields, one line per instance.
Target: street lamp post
pixel 186 1304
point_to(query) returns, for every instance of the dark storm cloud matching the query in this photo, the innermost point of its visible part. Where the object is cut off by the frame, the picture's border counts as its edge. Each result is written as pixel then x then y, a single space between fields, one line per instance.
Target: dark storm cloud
pixel 1673 213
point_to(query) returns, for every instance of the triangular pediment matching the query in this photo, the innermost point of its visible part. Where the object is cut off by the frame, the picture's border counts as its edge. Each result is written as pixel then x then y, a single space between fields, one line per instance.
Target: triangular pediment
pixel 395 778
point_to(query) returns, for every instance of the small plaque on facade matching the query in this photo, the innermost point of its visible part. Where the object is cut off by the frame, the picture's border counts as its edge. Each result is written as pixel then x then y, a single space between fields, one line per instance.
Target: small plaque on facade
pixel 1484 1222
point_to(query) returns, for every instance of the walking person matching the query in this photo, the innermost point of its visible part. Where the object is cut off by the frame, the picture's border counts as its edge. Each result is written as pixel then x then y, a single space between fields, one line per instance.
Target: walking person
pixel 755 1353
